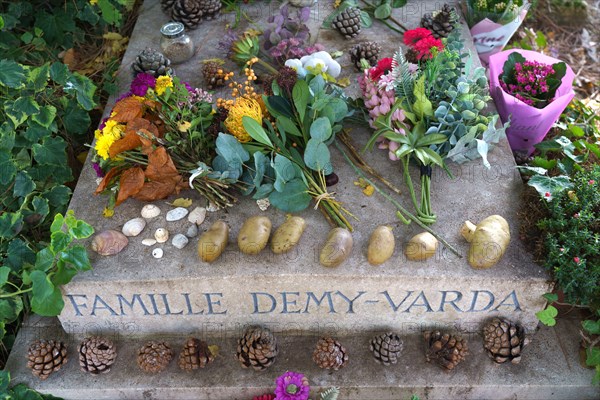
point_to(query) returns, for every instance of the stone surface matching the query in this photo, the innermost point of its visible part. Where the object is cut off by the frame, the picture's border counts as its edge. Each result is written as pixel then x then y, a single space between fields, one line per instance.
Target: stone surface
pixel 549 370
pixel 292 291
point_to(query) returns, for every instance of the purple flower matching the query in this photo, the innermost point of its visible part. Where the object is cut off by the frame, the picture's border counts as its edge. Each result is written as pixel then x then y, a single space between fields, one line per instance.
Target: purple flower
pixel 103 123
pixel 292 386
pixel 98 169
pixel 188 87
pixel 141 83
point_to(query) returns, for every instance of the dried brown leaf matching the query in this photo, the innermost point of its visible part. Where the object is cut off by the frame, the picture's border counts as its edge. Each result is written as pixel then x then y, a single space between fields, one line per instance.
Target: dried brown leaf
pixel 107 179
pixel 127 110
pixel 132 181
pixel 155 190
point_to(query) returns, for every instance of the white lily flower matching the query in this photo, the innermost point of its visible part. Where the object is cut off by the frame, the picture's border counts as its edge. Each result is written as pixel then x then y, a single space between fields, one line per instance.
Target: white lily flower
pixel 297 65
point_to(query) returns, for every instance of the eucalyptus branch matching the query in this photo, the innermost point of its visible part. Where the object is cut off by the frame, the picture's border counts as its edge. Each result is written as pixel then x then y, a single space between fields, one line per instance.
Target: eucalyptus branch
pixel 404 29
pixel 398 205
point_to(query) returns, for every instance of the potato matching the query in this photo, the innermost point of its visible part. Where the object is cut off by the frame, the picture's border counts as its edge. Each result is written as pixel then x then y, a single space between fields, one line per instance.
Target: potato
pixel 287 235
pixel 489 241
pixel 337 247
pixel 381 245
pixel 213 242
pixel 254 234
pixel 421 247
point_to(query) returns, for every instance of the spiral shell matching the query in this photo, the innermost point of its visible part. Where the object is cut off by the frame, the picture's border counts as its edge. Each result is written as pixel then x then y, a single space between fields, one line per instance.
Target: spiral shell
pixel 108 243
pixel 134 227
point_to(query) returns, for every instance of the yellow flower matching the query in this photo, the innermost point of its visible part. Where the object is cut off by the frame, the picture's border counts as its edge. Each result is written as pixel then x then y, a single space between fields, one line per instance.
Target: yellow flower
pixel 183 126
pixel 93 2
pixel 139 98
pixel 242 107
pixel 97 133
pixel 103 144
pixel 111 132
pixel 162 83
pixel 113 128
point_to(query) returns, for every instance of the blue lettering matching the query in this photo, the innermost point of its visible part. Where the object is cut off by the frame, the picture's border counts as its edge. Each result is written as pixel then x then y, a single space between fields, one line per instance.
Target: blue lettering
pixel 515 302
pixel 188 304
pixel 458 296
pixel 311 295
pixel 167 308
pixel 350 302
pixel 476 297
pixel 212 302
pixel 256 305
pixel 424 304
pixel 153 301
pixel 286 302
pixel 77 305
pixel 395 306
pixel 105 306
pixel 134 298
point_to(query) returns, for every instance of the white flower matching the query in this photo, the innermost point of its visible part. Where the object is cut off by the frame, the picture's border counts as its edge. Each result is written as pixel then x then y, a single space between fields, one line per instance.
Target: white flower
pixel 320 62
pixel 297 65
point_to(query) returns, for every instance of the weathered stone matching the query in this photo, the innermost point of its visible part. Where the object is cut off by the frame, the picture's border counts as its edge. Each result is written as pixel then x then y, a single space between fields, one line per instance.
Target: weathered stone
pixel 192 231
pixel 176 214
pixel 197 215
pixel 179 241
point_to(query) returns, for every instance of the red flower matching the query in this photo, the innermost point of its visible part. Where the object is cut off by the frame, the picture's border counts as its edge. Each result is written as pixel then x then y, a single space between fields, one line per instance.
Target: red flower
pixel 547 194
pixel 576 259
pixel 411 37
pixel 383 66
pixel 267 396
pixel 424 46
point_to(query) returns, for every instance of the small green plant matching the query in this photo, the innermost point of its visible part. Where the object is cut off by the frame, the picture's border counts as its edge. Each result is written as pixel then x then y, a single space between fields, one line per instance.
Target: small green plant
pixel 20 391
pixel 530 40
pixel 591 341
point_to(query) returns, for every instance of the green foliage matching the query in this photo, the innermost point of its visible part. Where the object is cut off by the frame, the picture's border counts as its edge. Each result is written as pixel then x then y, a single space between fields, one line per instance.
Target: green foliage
pixel 533 40
pixel 330 394
pixel 571 238
pixel 20 391
pixel 31 274
pixel 592 352
pixel 548 315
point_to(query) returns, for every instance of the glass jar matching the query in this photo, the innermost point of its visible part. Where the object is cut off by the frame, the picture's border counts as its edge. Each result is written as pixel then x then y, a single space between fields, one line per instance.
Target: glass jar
pixel 175 44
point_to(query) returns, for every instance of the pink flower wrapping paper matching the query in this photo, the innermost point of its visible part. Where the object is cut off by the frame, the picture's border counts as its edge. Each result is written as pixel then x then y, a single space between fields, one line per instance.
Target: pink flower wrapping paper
pixel 528 125
pixel 490 37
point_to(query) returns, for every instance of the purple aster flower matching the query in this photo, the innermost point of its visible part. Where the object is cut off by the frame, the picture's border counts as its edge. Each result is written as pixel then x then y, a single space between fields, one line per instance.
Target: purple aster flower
pixel 103 123
pixel 98 169
pixel 141 83
pixel 188 87
pixel 292 386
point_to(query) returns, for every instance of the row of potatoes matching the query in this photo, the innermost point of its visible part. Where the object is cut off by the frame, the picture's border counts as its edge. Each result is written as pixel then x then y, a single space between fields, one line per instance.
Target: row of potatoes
pixel 255 232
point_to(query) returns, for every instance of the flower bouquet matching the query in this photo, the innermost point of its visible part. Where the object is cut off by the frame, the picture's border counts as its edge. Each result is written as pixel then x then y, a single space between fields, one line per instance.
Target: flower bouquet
pixel 276 143
pixel 493 22
pixel 429 112
pixel 159 139
pixel 532 90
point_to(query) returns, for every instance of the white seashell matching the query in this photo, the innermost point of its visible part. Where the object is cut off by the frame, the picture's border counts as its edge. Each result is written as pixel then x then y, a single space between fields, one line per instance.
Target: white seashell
pixel 150 211
pixel 176 214
pixel 212 207
pixel 192 231
pixel 263 204
pixel 149 242
pixel 108 243
pixel 197 215
pixel 157 253
pixel 161 235
pixel 179 241
pixel 134 227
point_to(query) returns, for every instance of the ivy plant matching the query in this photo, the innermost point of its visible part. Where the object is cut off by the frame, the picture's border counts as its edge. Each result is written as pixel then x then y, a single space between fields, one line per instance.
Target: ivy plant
pixel 20 391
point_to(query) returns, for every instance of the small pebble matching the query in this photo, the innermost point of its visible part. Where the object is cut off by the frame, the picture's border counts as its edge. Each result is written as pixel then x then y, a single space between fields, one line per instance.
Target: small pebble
pixel 179 241
pixel 150 211
pixel 263 204
pixel 157 253
pixel 192 231
pixel 161 235
pixel 134 227
pixel 176 214
pixel 197 215
pixel 149 242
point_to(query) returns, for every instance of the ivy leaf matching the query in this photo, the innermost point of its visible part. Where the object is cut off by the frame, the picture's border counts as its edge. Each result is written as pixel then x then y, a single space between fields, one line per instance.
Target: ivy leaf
pixel 59 73
pixel 8 169
pixel 51 151
pixel 12 74
pixel 58 196
pixel 109 13
pixel 44 259
pixel 39 77
pixel 41 287
pixel 78 257
pixel 10 309
pixel 592 327
pixel 23 184
pixel 547 316
pixel 84 90
pixel 546 184
pixel 592 357
pixel 256 131
pixel 45 116
pixel 59 241
pixel 10 225
pixel 4 271
pixel 49 306
pixel 18 255
pixel 81 230
pixel 4 375
pixel 294 198
pixel 551 297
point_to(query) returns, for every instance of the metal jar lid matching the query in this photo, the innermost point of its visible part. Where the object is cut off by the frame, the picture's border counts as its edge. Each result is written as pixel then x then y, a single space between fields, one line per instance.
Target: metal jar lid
pixel 172 29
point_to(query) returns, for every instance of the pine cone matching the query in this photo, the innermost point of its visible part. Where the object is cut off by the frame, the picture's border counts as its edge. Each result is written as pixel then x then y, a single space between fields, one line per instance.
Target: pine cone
pixel 45 357
pixel 440 23
pixel 367 50
pixel 214 74
pixel 167 5
pixel 195 354
pixel 188 12
pixel 330 354
pixel 445 349
pixel 411 56
pixel 151 62
pixel 96 355
pixel 348 22
pixel 386 348
pixel 504 340
pixel 210 8
pixel 154 356
pixel 257 348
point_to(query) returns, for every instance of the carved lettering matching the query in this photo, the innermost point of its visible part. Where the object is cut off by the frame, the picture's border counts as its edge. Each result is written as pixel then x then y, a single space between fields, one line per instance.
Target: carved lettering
pixel 311 295
pixel 105 306
pixel 424 304
pixel 395 306
pixel 135 298
pixel 350 302
pixel 255 297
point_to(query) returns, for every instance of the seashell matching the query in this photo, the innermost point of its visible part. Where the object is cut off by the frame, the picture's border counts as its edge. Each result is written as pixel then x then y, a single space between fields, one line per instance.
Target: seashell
pixel 150 211
pixel 161 235
pixel 149 242
pixel 176 214
pixel 179 241
pixel 134 227
pixel 157 253
pixel 263 204
pixel 192 231
pixel 109 242
pixel 197 215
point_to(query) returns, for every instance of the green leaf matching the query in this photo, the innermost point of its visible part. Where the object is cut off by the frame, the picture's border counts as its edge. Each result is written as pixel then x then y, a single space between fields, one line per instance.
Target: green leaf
pixel 58 196
pixel 278 105
pixel 110 14
pixel 41 285
pixel 383 11
pixel 77 256
pixel 547 316
pixel 4 373
pixel 4 271
pixel 51 151
pixel 57 223
pixel 18 255
pixel 23 184
pixel 10 309
pixel 553 185
pixel 81 230
pixel 576 130
pixel 431 139
pixel 263 191
pixel 12 74
pixel 284 171
pixel 10 225
pixel 1 27
pixel 59 73
pixel 422 106
pixel 365 19
pixel 300 96
pixel 592 357
pixel 7 137
pixel 46 116
pixel 59 241
pixel 84 89
pixel 288 126
pixel 47 299
pixel 293 199
pixel 76 120
pixel 317 156
pixel 317 85
pixel 256 131
pixel 398 3
pixel 543 163
pixel 8 169
pixel 592 327
pixel 532 170
pixel 44 259
pixel 320 129
pixel 551 297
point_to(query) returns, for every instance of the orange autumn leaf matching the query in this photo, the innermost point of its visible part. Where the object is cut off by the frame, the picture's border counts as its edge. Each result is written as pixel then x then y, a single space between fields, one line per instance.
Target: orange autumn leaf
pixel 130 141
pixel 141 123
pixel 155 190
pixel 146 141
pixel 132 181
pixel 127 110
pixel 161 167
pixel 107 178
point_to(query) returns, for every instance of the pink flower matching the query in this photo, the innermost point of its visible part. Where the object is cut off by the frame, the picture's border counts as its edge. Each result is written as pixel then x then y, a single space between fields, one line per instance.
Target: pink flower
pixel 412 36
pixel 576 215
pixel 292 386
pixel 548 194
pixel 576 259
pixel 591 182
pixel 562 249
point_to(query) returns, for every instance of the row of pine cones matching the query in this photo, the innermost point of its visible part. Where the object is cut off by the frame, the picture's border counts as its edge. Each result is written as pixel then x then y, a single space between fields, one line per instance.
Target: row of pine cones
pixel 191 12
pixel 257 349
